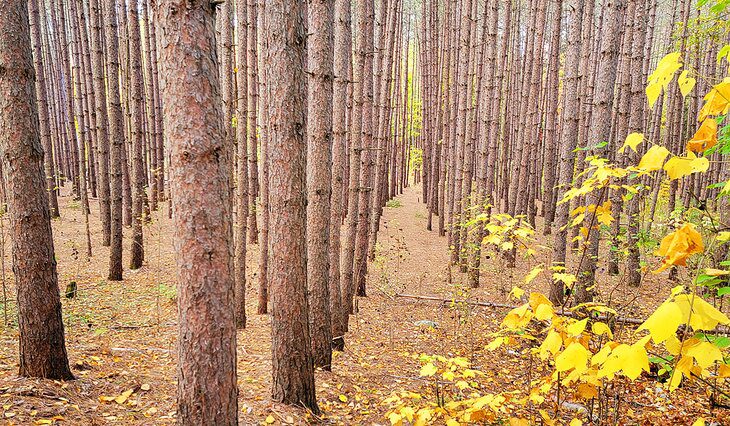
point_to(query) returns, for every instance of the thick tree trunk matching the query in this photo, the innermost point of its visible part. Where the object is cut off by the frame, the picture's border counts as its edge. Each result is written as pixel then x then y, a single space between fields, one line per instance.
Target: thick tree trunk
pixel 41 336
pixel 203 238
pixel 293 370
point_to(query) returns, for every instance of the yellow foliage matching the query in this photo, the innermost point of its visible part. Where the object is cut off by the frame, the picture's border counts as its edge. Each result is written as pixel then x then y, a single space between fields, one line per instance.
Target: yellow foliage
pixel 679 167
pixel 717 101
pixel 574 357
pixel 679 245
pixel 699 314
pixel 653 159
pixel 550 345
pixel 705 138
pixel 663 322
pixel 632 141
pixel 600 328
pixel 686 83
pixel 705 354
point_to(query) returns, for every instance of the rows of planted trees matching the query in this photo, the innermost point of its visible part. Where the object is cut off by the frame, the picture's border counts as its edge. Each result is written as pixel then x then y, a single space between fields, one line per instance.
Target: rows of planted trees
pixel 519 97
pixel 288 125
pixel 248 122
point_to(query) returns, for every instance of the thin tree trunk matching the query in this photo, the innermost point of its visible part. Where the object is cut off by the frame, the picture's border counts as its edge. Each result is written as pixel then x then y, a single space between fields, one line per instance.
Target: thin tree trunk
pixel 242 164
pixel 138 171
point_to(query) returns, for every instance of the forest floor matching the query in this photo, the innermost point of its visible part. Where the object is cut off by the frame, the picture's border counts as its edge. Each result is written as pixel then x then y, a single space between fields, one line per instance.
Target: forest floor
pixel 121 335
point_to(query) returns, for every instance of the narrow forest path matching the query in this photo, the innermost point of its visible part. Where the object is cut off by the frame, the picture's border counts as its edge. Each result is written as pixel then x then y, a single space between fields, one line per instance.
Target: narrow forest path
pixel 121 335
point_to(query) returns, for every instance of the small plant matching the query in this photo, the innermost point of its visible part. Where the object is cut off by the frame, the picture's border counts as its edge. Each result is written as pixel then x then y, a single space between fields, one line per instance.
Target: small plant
pixel 393 204
pixel 167 292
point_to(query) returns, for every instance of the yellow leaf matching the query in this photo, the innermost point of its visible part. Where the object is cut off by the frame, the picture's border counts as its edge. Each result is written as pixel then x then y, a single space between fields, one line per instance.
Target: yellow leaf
pixel 576 422
pixel 269 419
pixel 716 272
pixel 518 317
pixel 632 141
pixel 567 279
pixel 494 344
pixel 577 327
pixel 631 359
pixel 587 391
pixel 653 159
pixel 343 398
pixel 577 220
pixel 673 344
pixel 428 370
pixel 532 274
pixel 679 167
pixel 666 68
pixel 704 316
pixel 717 100
pixel 653 91
pixel 699 422
pixel 537 299
pixel 724 371
pixel 514 421
pixel 551 344
pixel 663 322
pixel 723 237
pixel 544 312
pixel 517 292
pixel 602 355
pixel 123 397
pixel 686 83
pixel 600 328
pixel 452 422
pixel 705 353
pixel 679 245
pixel 575 356
pixel 705 137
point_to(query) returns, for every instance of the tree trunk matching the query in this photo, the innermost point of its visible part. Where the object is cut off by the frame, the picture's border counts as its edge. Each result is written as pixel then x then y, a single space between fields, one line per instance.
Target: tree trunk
pixel 242 164
pixel 43 108
pixel 199 185
pixel 137 106
pixel 320 55
pixel 41 336
pixel 293 369
pixel 342 55
pixel 116 136
pixel 568 138
pixel 600 131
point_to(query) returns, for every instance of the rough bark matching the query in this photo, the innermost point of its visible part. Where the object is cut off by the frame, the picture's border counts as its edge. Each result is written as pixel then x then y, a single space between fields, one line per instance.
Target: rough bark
pixel 320 57
pixel 242 164
pixel 203 236
pixel 342 55
pixel 292 366
pixel 137 107
pixel 568 137
pixel 43 108
pixel 41 336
